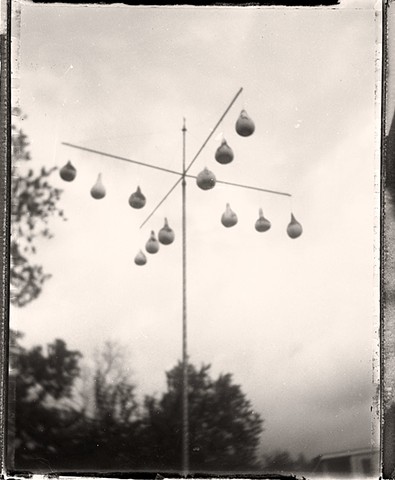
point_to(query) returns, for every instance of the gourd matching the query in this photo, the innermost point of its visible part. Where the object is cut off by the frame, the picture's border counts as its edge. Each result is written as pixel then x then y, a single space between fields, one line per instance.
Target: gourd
pixel 262 224
pixel 224 153
pixel 140 258
pixel 244 125
pixel 294 228
pixel 68 172
pixel 206 180
pixel 137 199
pixel 166 234
pixel 98 191
pixel 229 218
pixel 152 245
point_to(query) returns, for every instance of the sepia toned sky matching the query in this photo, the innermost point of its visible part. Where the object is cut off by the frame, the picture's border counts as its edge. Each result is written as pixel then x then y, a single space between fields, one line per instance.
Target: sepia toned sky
pixel 292 320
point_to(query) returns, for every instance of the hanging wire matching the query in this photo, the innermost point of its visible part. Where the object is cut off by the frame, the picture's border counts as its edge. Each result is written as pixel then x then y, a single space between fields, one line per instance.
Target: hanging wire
pixel 254 188
pixel 97 152
pixel 291 204
pixel 174 172
pixel 243 101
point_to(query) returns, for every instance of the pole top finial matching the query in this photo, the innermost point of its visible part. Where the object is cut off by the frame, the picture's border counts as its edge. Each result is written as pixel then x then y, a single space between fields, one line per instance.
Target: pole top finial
pixel 184 128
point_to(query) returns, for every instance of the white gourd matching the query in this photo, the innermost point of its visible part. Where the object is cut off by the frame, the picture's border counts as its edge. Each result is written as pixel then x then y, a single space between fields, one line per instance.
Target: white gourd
pixel 98 191
pixel 229 218
pixel 140 258
pixel 152 245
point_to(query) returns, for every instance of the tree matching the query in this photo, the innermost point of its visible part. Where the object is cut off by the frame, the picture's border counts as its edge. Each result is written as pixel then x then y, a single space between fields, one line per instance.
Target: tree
pixel 114 394
pixel 33 202
pixel 45 413
pixel 114 416
pixel 224 429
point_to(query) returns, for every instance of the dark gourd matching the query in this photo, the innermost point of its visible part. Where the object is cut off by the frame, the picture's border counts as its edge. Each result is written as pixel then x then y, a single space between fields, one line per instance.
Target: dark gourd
pixel 262 224
pixel 294 228
pixel 137 199
pixel 244 125
pixel 206 180
pixel 68 172
pixel 224 153
pixel 166 234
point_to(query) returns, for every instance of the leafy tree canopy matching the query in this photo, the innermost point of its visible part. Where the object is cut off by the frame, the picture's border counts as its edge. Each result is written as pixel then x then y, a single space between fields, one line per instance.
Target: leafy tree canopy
pixel 224 428
pixel 33 202
pixel 43 411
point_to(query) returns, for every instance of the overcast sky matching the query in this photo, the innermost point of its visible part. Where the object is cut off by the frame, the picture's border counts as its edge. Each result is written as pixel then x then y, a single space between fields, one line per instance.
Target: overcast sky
pixel 293 320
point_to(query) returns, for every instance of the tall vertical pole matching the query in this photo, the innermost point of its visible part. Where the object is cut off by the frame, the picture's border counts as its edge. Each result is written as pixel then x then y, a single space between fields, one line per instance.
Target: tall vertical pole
pixel 185 409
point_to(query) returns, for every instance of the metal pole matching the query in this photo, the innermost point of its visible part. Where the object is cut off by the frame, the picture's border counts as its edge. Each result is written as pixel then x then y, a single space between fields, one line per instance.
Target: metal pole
pixel 185 409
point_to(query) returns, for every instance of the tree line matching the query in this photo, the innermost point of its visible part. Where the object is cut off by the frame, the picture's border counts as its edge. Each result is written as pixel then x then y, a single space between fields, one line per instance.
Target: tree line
pixel 63 418
pixel 65 421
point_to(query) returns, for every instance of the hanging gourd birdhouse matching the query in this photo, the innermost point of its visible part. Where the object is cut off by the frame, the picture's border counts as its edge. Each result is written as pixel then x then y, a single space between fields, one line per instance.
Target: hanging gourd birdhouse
pixel 137 199
pixel 262 224
pixel 140 258
pixel 152 245
pixel 98 191
pixel 68 172
pixel 206 180
pixel 229 218
pixel 224 153
pixel 294 228
pixel 166 234
pixel 244 125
